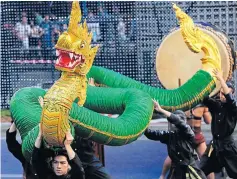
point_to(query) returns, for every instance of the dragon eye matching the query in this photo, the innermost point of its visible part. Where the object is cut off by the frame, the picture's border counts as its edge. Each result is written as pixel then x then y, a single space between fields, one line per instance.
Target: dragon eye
pixel 82 45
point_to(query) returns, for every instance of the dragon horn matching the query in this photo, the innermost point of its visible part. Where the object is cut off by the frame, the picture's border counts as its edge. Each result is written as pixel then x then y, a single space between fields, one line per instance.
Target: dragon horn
pixel 90 37
pixel 94 51
pixel 75 18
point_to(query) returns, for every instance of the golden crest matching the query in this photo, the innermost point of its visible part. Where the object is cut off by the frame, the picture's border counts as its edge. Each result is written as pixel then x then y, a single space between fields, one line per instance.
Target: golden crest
pixel 198 41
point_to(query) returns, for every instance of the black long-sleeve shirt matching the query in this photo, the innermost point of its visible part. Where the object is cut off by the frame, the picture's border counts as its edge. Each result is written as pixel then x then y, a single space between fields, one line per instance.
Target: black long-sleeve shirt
pixel 224 116
pixel 84 149
pixel 15 148
pixel 179 143
pixel 44 171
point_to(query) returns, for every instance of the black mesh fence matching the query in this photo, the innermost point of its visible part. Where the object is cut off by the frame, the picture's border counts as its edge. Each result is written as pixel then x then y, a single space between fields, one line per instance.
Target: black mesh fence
pixel 128 34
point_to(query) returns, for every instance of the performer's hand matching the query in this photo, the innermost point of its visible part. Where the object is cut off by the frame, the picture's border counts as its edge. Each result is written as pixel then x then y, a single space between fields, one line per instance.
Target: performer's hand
pixel 91 82
pixel 67 143
pixel 162 177
pixel 39 138
pixel 225 89
pixel 41 101
pixel 218 74
pixel 13 127
pixel 206 109
pixel 157 106
pixel 69 138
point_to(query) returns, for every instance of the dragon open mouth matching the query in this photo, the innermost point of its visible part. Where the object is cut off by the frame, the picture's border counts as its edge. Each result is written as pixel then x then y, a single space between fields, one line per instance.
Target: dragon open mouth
pixel 68 60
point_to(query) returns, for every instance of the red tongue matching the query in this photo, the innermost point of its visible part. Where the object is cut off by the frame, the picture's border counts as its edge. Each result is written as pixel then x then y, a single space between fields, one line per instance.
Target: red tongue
pixel 64 59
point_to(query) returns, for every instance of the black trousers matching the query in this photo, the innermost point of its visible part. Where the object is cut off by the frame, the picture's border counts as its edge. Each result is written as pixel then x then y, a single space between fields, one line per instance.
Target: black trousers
pixel 184 172
pixel 226 157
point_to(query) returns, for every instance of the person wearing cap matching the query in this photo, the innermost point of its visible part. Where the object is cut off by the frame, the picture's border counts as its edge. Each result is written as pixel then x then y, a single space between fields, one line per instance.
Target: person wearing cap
pixel 64 165
pixel 179 143
pixel 223 151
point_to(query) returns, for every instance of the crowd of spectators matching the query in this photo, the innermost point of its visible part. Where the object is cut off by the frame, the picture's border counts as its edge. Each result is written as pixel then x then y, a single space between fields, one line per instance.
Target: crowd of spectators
pixel 36 36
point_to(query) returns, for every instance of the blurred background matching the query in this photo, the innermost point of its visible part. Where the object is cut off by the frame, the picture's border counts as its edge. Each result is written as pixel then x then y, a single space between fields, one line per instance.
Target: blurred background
pixel 128 34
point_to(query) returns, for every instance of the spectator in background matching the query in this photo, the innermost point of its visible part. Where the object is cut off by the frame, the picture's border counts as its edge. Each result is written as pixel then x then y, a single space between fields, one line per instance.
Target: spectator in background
pixel 102 12
pixel 23 14
pixel 23 31
pixel 47 38
pixel 121 30
pixel 19 16
pixel 133 28
pixel 38 18
pixel 91 16
pixel 64 28
pixel 36 33
pixel 55 34
pixel 55 29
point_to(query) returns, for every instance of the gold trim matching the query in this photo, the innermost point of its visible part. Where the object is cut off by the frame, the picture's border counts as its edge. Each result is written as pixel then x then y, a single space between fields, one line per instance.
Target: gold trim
pixel 109 140
pixel 194 172
pixel 110 134
pixel 126 141
pixel 90 135
pixel 195 99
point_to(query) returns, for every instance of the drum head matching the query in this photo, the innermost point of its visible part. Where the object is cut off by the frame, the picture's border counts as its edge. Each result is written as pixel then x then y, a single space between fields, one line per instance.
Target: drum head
pixel 175 63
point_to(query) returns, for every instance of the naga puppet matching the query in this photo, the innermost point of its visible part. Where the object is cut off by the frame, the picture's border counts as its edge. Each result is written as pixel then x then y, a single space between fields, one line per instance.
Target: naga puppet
pixel 132 100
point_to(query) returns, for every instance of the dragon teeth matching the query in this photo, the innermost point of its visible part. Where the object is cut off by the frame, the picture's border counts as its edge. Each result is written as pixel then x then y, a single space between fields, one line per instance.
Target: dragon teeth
pixel 57 53
pixel 71 64
pixel 71 55
pixel 79 58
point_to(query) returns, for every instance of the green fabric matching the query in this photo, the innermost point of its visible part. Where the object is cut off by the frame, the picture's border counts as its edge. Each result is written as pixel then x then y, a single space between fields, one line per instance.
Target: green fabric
pixel 127 97
pixel 167 98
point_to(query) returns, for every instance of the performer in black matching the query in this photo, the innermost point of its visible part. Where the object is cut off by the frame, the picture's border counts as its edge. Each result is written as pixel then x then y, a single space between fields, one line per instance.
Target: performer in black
pixel 65 163
pixel 223 151
pixel 84 148
pixel 15 148
pixel 179 143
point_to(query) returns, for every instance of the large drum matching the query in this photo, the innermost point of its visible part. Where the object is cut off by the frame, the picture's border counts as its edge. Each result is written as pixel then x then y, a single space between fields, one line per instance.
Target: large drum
pixel 175 63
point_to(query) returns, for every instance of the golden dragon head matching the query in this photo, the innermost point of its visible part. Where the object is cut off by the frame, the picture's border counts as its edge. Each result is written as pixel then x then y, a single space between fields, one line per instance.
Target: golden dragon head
pixel 73 49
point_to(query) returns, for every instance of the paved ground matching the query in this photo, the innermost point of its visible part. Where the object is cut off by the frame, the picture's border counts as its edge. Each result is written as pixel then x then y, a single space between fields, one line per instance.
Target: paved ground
pixel 142 159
